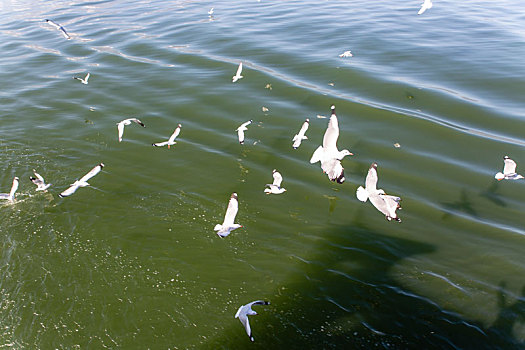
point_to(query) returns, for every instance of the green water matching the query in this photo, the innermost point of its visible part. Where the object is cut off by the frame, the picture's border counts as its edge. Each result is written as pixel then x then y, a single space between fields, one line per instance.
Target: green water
pixel 132 262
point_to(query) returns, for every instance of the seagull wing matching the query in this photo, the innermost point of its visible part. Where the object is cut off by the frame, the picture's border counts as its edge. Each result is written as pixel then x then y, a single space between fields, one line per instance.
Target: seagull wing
pixel 66 35
pixel 239 70
pixel 331 135
pixel 243 317
pixel 160 144
pixel 39 177
pixel 371 178
pixel 240 134
pixel 87 77
pixel 277 179
pixel 53 23
pixel 231 211
pixel 14 187
pixel 174 135
pixel 244 125
pixel 69 191
pixel 120 127
pixel 305 126
pixel 137 121
pixel 510 166
pixel 92 173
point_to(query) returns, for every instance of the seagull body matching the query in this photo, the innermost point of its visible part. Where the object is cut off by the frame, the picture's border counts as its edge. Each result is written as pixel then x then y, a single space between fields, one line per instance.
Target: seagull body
pixel 238 75
pixel 509 171
pixel 346 54
pixel 121 124
pixel 298 138
pixel 171 140
pixel 59 27
pixel 275 187
pixel 245 311
pixel 241 129
pixel 228 223
pixel 386 204
pixel 328 154
pixel 11 195
pixel 38 180
pixel 427 4
pixel 83 80
pixel 82 182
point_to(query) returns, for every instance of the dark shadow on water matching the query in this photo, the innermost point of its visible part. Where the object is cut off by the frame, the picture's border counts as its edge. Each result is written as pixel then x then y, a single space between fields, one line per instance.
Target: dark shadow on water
pixel 490 194
pixel 348 296
pixel 462 205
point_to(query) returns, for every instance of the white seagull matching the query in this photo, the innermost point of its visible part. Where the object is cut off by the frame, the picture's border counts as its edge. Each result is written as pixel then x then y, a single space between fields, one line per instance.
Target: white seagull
pixel 83 80
pixel 245 311
pixel 238 75
pixel 346 54
pixel 228 225
pixel 298 138
pixel 171 140
pixel 59 27
pixel 82 182
pixel 210 12
pixel 38 180
pixel 11 195
pixel 509 171
pixel 121 124
pixel 427 4
pixel 384 203
pixel 328 154
pixel 241 129
pixel 275 187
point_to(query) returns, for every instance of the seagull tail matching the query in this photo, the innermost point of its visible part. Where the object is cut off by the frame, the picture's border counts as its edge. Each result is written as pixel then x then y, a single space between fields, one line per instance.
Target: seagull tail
pixel 362 194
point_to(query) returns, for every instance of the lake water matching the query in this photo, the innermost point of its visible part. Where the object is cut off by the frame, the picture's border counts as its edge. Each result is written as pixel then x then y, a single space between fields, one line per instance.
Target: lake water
pixel 133 262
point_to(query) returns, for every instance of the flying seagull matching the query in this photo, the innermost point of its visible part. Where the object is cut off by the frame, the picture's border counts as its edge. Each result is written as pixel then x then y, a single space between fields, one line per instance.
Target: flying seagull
pixel 275 187
pixel 38 180
pixel 298 138
pixel 427 4
pixel 509 171
pixel 82 182
pixel 171 140
pixel 228 225
pixel 59 27
pixel 346 54
pixel 384 203
pixel 328 154
pixel 245 311
pixel 121 124
pixel 83 80
pixel 241 129
pixel 210 12
pixel 238 75
pixel 11 195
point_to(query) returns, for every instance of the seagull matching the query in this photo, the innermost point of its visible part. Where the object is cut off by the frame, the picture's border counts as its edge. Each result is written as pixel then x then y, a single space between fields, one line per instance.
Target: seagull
pixel 83 81
pixel 11 195
pixel 238 75
pixel 82 182
pixel 59 27
pixel 328 154
pixel 120 126
pixel 509 171
pixel 427 4
pixel 298 138
pixel 171 140
pixel 386 204
pixel 245 311
pixel 228 225
pixel 210 12
pixel 38 180
pixel 241 129
pixel 275 187
pixel 346 54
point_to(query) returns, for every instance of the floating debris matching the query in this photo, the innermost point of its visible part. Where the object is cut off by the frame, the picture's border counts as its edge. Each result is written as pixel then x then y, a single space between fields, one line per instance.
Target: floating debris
pixel 268 86
pixel 264 109
pixel 346 54
pixel 397 145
